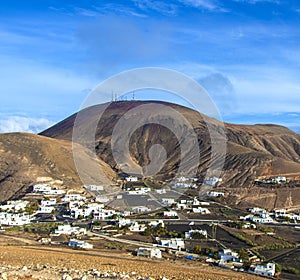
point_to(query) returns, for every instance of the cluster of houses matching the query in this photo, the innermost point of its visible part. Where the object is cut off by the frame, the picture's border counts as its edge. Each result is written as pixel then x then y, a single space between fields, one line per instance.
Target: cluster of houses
pixel 272 180
pixel 13 213
pixel 263 216
pixel 227 258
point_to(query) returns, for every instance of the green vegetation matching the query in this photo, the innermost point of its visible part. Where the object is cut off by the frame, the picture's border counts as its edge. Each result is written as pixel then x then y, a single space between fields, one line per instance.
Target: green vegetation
pixel 244 239
pixel 265 229
pixel 211 252
pixel 197 250
pixel 274 246
pixel 32 207
pixel 114 245
pixel 41 228
pixel 291 270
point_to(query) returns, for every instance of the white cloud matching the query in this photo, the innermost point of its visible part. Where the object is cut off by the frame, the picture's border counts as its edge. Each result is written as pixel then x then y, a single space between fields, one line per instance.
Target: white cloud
pixel 24 124
pixel 258 1
pixel 158 6
pixel 210 5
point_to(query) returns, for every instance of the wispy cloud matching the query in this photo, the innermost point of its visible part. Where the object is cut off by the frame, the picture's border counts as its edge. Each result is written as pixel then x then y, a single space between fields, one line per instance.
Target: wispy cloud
pixel 163 7
pixel 210 5
pixel 259 1
pixel 24 124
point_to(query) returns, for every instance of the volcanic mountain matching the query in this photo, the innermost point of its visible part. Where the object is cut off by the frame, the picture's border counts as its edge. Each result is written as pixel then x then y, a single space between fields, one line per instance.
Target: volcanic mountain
pixel 251 150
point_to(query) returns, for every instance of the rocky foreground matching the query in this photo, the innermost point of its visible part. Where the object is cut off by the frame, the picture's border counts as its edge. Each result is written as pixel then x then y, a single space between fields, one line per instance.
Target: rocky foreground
pixel 29 262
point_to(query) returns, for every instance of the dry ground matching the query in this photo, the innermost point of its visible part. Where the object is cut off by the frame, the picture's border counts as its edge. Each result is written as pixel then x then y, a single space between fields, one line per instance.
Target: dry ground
pixel 67 259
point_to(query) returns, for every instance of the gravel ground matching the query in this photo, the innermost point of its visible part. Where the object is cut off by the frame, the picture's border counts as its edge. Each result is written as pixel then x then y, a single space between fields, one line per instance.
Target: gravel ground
pixel 18 262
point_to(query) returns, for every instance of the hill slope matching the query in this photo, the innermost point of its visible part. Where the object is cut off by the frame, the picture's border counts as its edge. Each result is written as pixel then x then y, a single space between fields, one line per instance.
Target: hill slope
pixel 27 159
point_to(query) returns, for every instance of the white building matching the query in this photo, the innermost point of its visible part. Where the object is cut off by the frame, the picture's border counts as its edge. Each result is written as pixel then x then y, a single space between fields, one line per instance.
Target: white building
pixel 227 255
pixel 168 201
pixel 149 253
pixel 201 210
pixel 212 181
pixel 131 179
pixel 136 227
pixel 48 202
pixel 75 243
pixel 14 219
pixel 173 243
pixel 168 214
pixel 73 197
pixel 189 234
pixel 160 191
pixel 263 269
pixel 104 214
pixel 14 205
pixel 155 224
pixel 54 192
pixel 140 209
pixel 262 220
pixel 69 230
pixel 215 194
pixel 124 222
pixel 139 191
pixel 41 188
pixel 94 188
pixel 45 210
pixel 257 211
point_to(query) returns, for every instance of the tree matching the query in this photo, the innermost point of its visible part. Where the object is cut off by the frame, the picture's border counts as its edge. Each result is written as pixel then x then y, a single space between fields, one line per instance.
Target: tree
pixel 197 249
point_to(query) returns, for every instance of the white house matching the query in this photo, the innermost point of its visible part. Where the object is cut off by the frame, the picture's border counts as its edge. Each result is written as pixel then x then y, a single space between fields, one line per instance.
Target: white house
pixel 262 219
pixel 168 201
pixel 212 181
pixel 267 269
pixel 73 197
pixel 54 192
pixel 75 243
pixel 279 212
pixel 41 188
pixel 227 255
pixel 160 191
pixel 149 253
pixel 139 191
pixel 155 224
pixel 69 230
pixel 140 209
pixel 173 243
pixel 183 185
pixel 104 214
pixel 168 214
pixel 94 188
pixel 201 210
pixel 136 227
pixel 124 222
pixel 215 194
pixel 131 179
pixel 48 202
pixel 45 210
pixel 257 210
pixel 189 234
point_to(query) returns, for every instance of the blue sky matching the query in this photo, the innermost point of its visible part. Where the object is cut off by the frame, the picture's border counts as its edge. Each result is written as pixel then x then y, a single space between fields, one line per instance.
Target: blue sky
pixel 244 52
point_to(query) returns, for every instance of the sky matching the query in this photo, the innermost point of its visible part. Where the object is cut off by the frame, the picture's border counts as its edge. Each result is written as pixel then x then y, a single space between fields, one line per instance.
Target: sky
pixel 245 53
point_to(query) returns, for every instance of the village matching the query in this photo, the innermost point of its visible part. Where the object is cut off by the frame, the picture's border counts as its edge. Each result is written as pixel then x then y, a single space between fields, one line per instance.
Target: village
pixel 166 222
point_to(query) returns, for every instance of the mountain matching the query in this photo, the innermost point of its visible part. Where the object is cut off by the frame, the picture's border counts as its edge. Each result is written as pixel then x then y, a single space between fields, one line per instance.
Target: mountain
pixel 252 150
pixel 27 159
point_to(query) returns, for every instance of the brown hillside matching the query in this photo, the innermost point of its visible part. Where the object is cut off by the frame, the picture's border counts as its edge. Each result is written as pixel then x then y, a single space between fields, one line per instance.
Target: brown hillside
pixel 27 159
